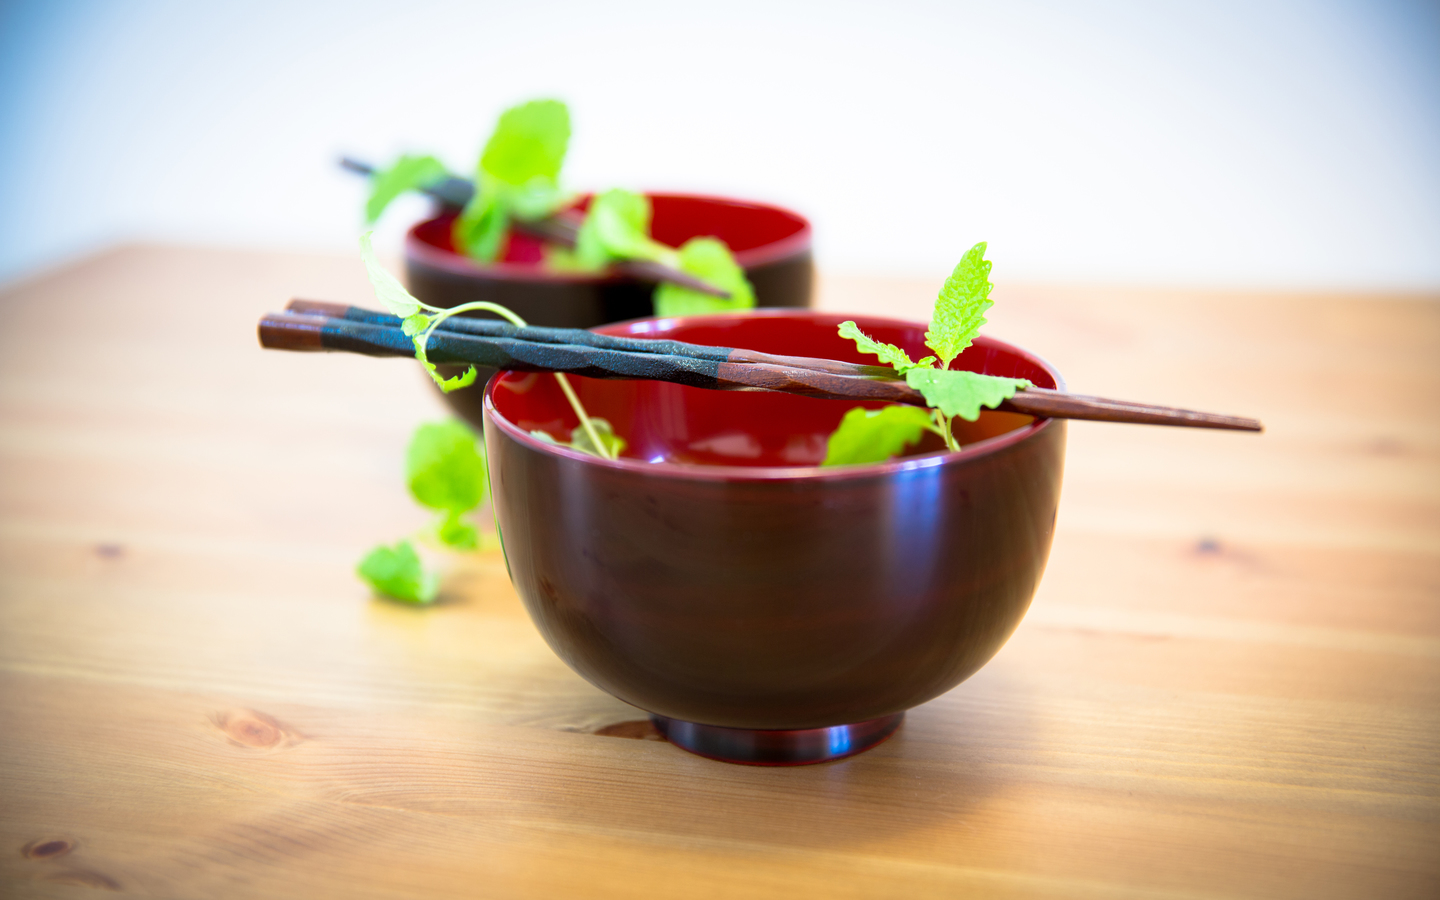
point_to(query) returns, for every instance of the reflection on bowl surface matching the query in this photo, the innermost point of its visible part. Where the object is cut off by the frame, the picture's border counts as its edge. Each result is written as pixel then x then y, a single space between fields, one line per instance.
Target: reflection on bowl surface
pixel 715 575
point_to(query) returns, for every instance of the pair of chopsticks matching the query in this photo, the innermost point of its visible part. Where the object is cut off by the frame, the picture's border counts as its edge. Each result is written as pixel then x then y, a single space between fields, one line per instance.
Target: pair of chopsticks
pixel 312 325
pixel 560 229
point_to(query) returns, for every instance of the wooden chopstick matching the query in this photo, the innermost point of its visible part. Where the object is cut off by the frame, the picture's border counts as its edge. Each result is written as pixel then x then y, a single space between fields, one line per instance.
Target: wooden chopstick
pixel 316 326
pixel 557 229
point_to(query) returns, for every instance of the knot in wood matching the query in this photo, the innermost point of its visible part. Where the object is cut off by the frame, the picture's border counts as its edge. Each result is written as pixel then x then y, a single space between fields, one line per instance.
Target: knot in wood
pixel 253 729
pixel 47 848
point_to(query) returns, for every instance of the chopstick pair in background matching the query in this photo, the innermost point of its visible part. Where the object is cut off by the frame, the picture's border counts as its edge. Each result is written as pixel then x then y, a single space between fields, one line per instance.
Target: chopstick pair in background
pixel 309 325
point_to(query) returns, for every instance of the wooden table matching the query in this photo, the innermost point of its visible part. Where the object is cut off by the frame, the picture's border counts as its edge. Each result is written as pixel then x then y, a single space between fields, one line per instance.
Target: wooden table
pixel 1229 683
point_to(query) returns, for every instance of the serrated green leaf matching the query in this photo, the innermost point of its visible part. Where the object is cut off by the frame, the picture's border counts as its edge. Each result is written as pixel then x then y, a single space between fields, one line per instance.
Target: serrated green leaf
pixel 445 468
pixel 957 393
pixel 960 308
pixel 388 290
pixel 413 325
pixel 708 259
pixel 866 435
pixel 456 533
pixel 528 142
pixel 889 353
pixel 446 385
pixel 396 572
pixel 580 438
pixel 409 173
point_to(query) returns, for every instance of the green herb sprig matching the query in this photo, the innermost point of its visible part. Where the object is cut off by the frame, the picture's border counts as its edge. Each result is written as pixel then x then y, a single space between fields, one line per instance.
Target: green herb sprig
pixel 518 178
pixel 876 435
pixel 408 173
pixel 445 471
pixel 419 321
pixel 617 226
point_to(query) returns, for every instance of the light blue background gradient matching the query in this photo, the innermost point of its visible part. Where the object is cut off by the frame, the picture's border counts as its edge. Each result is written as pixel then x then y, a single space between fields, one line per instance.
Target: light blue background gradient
pixel 1289 144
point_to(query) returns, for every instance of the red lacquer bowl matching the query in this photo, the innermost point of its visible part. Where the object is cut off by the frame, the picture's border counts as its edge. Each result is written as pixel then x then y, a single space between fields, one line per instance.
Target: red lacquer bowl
pixel 771 243
pixel 763 609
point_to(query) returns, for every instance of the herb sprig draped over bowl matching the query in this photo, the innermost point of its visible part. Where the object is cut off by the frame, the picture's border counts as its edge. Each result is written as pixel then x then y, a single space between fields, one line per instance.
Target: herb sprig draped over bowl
pixel 517 178
pixel 876 435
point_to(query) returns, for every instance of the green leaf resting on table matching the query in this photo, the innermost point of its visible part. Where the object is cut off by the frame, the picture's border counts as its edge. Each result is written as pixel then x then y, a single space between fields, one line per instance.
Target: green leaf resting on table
pixel 396 572
pixel 959 393
pixel 388 290
pixel 444 467
pixel 517 176
pixel 409 173
pixel 456 533
pixel 960 308
pixel 708 259
pixel 867 435
pixel 580 439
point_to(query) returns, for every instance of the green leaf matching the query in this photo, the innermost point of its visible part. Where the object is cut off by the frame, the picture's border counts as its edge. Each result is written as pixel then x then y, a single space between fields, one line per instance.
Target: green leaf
pixel 528 142
pixel 617 226
pixel 708 259
pixel 960 308
pixel 396 573
pixel 888 353
pixel 409 173
pixel 388 290
pixel 456 533
pixel 445 468
pixel 580 438
pixel 516 177
pixel 957 393
pixel 482 226
pixel 413 325
pixel 866 435
pixel 446 384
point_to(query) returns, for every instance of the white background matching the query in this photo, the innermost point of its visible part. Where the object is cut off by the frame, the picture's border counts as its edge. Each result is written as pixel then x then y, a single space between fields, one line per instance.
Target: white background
pixel 1289 144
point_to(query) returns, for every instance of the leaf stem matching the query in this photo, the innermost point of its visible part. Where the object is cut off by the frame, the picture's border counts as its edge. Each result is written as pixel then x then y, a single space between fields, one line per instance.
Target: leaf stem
pixel 443 314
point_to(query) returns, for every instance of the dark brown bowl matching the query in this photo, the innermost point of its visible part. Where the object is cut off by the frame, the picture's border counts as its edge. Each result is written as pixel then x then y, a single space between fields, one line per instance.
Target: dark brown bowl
pixel 770 243
pixel 765 609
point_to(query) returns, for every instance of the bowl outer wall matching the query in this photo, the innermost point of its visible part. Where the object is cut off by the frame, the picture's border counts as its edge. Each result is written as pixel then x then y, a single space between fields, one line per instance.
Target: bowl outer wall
pixel 748 599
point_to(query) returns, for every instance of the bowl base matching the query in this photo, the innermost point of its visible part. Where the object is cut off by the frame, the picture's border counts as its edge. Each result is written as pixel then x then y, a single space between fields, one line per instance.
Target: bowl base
pixel 777 747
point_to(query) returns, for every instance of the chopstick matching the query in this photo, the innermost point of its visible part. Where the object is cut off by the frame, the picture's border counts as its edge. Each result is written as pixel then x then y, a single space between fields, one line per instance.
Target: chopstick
pixel 308 326
pixel 558 229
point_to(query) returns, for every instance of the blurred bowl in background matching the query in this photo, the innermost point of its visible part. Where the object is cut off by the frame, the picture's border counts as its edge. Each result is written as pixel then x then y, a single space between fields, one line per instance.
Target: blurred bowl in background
pixel 772 245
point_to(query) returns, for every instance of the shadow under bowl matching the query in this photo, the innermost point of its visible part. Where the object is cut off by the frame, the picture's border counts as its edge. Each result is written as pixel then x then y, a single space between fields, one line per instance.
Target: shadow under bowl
pixel 772 245
pixel 763 609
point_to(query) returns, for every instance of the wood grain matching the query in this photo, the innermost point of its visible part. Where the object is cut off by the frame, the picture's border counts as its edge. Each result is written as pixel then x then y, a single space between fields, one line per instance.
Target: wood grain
pixel 1228 685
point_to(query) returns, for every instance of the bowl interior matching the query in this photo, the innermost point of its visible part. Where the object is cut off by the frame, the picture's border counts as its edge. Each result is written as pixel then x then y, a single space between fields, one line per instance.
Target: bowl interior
pixel 755 233
pixel 668 423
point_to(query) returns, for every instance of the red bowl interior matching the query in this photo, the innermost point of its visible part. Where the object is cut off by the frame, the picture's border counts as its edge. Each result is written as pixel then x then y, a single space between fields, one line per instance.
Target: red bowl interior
pixel 756 233
pixel 673 424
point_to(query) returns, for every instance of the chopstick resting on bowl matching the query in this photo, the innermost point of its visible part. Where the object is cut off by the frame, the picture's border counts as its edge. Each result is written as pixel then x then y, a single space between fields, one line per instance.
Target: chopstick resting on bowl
pixel 558 229
pixel 310 325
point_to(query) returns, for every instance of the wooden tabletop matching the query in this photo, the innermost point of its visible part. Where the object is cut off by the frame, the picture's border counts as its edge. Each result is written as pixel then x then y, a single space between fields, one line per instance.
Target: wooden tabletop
pixel 1228 685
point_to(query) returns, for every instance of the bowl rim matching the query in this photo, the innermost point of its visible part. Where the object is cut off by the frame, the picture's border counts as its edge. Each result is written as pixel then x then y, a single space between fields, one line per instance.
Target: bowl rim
pixel 688 472
pixel 417 250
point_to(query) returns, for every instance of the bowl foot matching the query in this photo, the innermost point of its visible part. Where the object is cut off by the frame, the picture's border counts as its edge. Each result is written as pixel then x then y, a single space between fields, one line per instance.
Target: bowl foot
pixel 777 747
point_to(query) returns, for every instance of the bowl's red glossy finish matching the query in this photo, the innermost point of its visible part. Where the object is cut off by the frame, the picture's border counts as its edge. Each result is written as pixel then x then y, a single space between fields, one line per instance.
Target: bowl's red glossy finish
pixel 716 575
pixel 772 245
